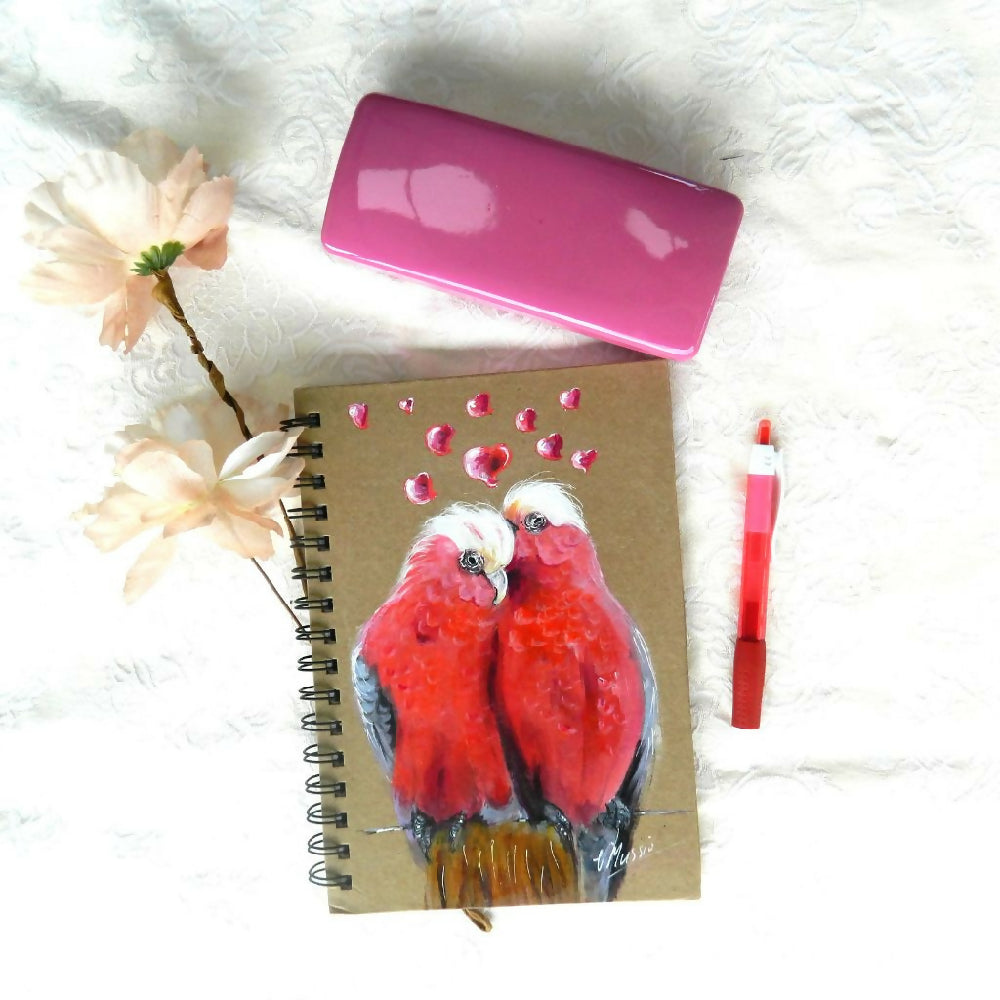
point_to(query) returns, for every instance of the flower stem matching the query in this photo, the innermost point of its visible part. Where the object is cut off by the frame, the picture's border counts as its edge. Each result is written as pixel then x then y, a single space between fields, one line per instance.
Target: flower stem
pixel 481 918
pixel 165 293
pixel 274 590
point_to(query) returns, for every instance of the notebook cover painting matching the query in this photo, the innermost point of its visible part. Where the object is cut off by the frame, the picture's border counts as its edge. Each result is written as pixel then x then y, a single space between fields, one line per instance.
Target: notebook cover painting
pixel 498 641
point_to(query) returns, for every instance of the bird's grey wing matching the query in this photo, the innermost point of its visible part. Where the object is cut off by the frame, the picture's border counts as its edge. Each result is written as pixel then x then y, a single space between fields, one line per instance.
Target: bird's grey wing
pixel 638 772
pixel 605 844
pixel 377 711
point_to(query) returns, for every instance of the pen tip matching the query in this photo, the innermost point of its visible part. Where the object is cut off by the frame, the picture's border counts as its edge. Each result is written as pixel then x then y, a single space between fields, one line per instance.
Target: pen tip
pixel 764 432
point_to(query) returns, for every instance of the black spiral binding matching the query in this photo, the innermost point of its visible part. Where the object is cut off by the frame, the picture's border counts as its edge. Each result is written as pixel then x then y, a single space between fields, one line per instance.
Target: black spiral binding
pixel 318 695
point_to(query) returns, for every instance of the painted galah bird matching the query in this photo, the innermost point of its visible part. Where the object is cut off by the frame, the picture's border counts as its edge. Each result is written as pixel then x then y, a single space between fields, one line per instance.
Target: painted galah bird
pixel 422 667
pixel 575 692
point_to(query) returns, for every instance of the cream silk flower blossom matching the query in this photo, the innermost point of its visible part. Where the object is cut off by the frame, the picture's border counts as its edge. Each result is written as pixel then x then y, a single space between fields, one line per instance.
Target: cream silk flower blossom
pixel 115 210
pixel 175 482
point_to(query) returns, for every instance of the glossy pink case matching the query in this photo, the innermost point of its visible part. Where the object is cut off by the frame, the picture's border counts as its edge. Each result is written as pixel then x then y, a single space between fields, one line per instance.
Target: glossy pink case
pixel 604 246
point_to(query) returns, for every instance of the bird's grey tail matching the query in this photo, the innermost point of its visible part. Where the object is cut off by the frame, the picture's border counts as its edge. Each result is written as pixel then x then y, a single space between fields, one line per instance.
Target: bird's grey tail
pixel 598 849
pixel 604 849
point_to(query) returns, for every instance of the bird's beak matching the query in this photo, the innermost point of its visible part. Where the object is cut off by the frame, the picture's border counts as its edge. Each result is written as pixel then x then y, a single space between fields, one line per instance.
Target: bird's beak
pixel 499 580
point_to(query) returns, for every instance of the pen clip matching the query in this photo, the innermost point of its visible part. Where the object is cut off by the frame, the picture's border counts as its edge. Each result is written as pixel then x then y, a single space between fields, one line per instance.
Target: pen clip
pixel 779 485
pixel 770 459
pixel 777 469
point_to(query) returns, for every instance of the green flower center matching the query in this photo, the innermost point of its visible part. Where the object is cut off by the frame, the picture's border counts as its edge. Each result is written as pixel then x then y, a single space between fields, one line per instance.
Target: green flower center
pixel 158 258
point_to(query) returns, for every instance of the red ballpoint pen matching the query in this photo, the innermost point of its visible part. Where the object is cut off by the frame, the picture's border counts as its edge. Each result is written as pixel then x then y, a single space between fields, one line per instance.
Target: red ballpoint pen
pixel 749 659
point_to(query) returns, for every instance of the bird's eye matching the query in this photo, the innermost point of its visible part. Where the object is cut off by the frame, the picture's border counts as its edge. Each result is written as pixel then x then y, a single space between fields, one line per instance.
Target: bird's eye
pixel 472 561
pixel 535 522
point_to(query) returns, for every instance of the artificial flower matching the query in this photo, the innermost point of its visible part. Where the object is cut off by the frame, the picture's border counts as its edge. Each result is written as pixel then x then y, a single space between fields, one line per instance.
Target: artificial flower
pixel 203 417
pixel 175 482
pixel 114 218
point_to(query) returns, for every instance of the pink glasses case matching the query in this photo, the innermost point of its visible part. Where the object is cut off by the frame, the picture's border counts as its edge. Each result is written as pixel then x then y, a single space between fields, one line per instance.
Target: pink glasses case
pixel 601 245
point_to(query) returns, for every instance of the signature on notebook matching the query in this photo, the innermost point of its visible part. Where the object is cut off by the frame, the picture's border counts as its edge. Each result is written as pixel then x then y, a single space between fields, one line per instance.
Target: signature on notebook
pixel 614 859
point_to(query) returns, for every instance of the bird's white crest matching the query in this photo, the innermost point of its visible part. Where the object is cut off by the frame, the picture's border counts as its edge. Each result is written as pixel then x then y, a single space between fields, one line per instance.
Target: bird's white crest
pixel 471 526
pixel 551 499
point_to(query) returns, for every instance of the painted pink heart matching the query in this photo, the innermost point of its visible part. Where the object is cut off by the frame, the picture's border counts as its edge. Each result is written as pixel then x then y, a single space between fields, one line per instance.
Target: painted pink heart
pixel 570 399
pixel 550 447
pixel 486 463
pixel 525 420
pixel 479 405
pixel 583 460
pixel 419 489
pixel 406 405
pixel 359 414
pixel 438 438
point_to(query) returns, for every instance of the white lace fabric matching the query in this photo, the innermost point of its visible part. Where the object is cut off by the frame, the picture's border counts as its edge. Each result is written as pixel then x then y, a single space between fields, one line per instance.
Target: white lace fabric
pixel 151 783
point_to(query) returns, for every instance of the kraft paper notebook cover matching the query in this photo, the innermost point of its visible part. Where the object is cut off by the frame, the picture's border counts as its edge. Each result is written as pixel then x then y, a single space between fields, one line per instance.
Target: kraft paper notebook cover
pixel 499 689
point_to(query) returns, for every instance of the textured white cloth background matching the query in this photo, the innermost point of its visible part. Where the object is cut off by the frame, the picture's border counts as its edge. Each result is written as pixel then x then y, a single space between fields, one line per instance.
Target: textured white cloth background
pixel 152 838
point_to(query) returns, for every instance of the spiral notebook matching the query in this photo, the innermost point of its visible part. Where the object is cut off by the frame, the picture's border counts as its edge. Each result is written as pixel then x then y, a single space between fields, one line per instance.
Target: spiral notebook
pixel 497 676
